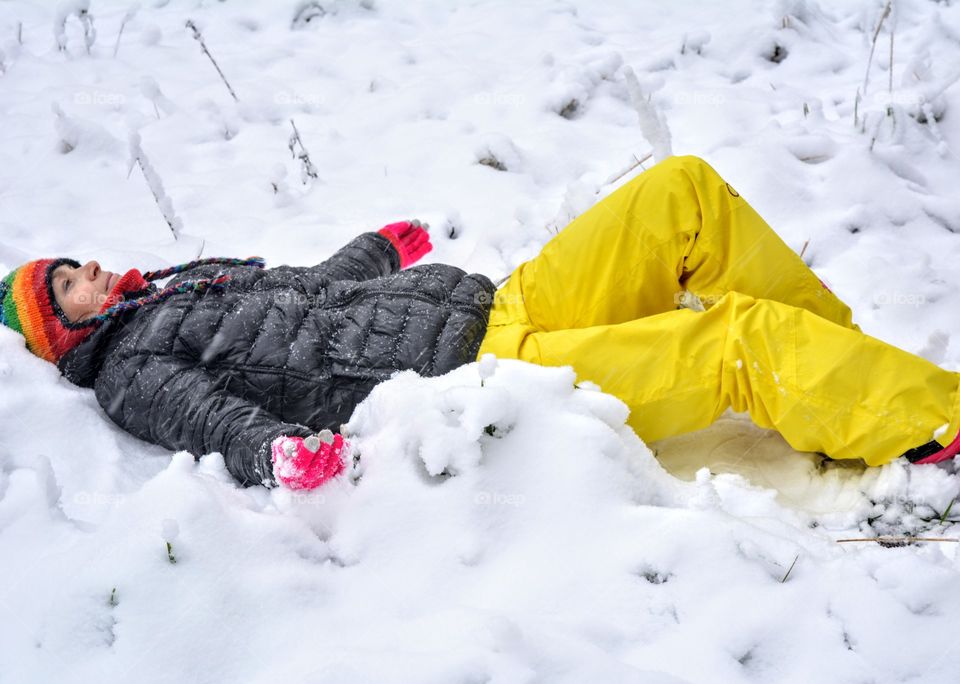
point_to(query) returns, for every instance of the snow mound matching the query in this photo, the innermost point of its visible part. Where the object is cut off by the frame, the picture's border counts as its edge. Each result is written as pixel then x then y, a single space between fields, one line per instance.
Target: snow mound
pixel 500 524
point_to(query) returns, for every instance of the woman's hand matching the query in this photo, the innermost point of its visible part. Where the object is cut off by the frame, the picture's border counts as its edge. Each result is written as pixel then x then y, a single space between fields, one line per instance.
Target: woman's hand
pixel 409 238
pixel 300 463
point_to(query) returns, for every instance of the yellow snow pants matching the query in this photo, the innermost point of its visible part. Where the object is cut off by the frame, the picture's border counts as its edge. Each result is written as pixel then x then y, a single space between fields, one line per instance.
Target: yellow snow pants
pixel 602 296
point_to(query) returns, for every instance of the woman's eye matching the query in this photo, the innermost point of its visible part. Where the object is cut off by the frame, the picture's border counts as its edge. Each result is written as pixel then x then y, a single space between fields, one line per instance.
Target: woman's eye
pixel 66 285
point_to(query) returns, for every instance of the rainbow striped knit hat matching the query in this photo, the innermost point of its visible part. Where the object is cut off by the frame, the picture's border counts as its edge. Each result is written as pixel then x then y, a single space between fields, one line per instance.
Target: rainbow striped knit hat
pixel 28 305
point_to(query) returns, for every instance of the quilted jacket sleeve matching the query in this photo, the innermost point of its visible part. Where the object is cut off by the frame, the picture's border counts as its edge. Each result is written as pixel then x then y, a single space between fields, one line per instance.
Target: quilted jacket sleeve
pixel 179 405
pixel 367 256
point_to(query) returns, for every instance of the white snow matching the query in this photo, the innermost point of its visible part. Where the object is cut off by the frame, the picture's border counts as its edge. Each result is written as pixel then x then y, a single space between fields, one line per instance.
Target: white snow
pixel 487 366
pixel 502 524
pixel 139 159
pixel 79 9
pixel 651 121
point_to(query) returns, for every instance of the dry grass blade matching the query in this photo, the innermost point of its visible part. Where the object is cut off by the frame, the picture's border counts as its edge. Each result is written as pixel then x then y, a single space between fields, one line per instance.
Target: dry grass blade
pixel 873 44
pixel 899 540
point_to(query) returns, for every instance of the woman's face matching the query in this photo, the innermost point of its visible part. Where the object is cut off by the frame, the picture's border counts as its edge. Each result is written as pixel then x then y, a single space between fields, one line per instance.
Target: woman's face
pixel 81 292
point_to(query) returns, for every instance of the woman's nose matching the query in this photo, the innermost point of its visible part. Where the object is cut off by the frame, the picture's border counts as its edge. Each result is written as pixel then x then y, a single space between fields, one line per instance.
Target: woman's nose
pixel 93 269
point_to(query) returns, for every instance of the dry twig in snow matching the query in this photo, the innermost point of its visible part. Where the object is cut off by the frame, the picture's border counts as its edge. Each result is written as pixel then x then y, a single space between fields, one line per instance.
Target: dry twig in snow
pixel 199 37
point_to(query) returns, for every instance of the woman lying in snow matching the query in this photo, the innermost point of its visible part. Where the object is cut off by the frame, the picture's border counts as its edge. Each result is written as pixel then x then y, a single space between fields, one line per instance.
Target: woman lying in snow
pixel 253 362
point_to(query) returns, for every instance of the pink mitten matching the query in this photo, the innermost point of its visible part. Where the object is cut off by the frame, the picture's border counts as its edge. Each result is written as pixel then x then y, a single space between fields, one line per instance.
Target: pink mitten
pixel 409 238
pixel 300 463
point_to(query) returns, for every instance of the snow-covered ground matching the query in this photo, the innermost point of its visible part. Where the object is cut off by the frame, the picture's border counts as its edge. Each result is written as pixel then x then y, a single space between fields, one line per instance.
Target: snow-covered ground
pixel 560 550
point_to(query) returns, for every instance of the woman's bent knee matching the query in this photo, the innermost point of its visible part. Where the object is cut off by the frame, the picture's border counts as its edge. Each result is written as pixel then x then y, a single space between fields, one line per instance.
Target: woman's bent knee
pixel 685 168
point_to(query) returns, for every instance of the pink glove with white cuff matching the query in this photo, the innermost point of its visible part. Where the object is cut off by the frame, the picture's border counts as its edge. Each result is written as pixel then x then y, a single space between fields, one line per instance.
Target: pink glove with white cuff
pixel 306 463
pixel 409 238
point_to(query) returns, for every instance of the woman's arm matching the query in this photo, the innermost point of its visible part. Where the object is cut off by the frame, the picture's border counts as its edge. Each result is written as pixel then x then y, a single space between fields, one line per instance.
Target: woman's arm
pixel 179 405
pixel 371 255
pixel 367 256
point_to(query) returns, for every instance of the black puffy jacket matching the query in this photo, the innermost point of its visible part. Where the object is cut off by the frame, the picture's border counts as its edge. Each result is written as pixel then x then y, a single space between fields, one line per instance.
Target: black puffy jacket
pixel 280 351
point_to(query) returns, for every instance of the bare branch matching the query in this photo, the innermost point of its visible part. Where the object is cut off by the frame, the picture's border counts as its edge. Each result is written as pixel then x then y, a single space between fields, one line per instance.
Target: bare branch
pixel 199 38
pixel 873 43
pixel 307 169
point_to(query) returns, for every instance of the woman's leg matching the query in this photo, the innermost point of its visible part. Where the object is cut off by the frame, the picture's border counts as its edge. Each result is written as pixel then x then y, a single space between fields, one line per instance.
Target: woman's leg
pixel 825 387
pixel 677 226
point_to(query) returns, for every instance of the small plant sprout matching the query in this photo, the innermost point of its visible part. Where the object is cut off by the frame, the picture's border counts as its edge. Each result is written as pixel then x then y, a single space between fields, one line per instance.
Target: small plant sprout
pixel 130 14
pixel 790 569
pixel 203 46
pixel 451 226
pixel 498 152
pixel 694 42
pixel 307 169
pixel 487 366
pixel 947 511
pixel 278 178
pixel 856 111
pixel 66 129
pixel 150 90
pixel 80 9
pixel 278 184
pixel 169 529
pixel 113 597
